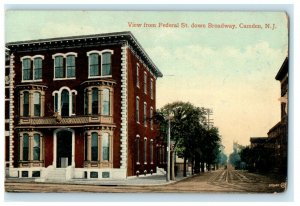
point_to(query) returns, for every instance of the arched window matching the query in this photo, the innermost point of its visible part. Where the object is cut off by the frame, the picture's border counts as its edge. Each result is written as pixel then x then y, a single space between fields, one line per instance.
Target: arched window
pixel 94 64
pixel 36 147
pixel 70 66
pixel 26 64
pixel 25 147
pixel 137 109
pixel 94 146
pixel 95 101
pixel 86 102
pixel 26 104
pixel 106 64
pixel 151 151
pixel 59 67
pixel 137 149
pixel 37 103
pixel 106 103
pixel 65 103
pixel 145 150
pixel 105 146
pixel 37 62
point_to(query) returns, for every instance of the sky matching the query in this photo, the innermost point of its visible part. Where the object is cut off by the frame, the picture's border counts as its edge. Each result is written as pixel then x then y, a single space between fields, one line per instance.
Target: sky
pixel 231 71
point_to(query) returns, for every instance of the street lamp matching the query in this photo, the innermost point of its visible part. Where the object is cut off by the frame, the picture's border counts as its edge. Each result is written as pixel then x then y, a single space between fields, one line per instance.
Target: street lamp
pixel 171 115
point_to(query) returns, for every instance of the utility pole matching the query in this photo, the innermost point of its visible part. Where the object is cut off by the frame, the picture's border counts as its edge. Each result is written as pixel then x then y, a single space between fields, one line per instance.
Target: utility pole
pixel 209 121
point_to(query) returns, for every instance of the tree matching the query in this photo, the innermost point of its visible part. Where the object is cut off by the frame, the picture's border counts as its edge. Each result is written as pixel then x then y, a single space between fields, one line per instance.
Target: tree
pixel 193 141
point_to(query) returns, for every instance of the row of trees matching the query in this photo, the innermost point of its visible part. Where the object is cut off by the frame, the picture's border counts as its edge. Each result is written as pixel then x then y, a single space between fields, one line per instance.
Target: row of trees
pixel 194 140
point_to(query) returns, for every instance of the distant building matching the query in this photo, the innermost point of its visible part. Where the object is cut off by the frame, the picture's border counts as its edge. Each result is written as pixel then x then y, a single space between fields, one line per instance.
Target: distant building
pixel 81 107
pixel 279 133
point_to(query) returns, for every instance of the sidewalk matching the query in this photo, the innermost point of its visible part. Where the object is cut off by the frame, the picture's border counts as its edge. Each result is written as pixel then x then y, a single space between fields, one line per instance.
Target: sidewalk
pixel 154 179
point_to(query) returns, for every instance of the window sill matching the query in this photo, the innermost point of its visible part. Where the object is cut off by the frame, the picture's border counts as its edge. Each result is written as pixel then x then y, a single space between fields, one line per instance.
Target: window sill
pixel 57 79
pixel 138 163
pixel 145 163
pixel 95 77
pixel 30 80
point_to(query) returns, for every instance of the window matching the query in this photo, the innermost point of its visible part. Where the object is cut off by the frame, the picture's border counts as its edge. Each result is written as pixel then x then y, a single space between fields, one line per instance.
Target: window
pixel 106 103
pixel 137 110
pixel 151 151
pixel 32 68
pixel 85 101
pixel 64 65
pixel 105 146
pixel 145 114
pixel 37 104
pixel 95 100
pixel 137 149
pixel 37 62
pixel 70 66
pixel 94 65
pixel 94 146
pixel 59 67
pixel 100 63
pixel 106 64
pixel 36 147
pixel 25 147
pixel 73 103
pixel 151 118
pixel 145 150
pixel 26 69
pixel 145 83
pixel 85 147
pixel 56 102
pixel 65 103
pixel 151 88
pixel 26 104
pixel 137 75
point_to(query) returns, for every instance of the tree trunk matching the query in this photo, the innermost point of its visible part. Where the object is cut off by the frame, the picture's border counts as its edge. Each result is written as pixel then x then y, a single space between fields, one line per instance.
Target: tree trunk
pixel 184 166
pixel 202 166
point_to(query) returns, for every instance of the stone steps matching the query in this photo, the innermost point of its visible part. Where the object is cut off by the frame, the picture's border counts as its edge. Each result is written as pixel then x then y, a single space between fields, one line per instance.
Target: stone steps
pixel 57 174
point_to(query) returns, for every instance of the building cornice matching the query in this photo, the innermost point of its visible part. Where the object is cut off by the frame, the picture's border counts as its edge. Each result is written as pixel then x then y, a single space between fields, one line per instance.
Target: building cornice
pixel 85 41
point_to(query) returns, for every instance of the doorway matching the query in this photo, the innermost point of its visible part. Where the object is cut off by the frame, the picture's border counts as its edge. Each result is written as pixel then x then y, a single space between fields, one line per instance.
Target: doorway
pixel 64 149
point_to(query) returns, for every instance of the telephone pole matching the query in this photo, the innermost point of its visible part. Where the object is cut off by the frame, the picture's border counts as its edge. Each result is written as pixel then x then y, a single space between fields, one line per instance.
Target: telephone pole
pixel 209 121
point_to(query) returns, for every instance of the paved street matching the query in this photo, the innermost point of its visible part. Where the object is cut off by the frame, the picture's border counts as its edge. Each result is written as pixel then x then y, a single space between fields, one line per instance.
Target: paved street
pixel 216 181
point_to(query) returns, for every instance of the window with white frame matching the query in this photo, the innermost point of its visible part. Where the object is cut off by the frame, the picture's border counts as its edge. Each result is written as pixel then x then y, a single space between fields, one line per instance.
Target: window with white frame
pixel 30 146
pixel 137 110
pixel 94 146
pixel 64 101
pixel 93 104
pixel 100 63
pixel 145 114
pixel 151 151
pixel 25 147
pixel 151 88
pixel 105 146
pixel 36 146
pixel 145 83
pixel 145 150
pixel 151 117
pixel 25 104
pixel 31 104
pixel 137 149
pixel 37 104
pixel 64 66
pixel 97 146
pixel 95 100
pixel 32 68
pixel 137 75
pixel 106 102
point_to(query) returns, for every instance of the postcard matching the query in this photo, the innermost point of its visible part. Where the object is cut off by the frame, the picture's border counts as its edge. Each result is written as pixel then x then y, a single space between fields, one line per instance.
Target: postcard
pixel 146 101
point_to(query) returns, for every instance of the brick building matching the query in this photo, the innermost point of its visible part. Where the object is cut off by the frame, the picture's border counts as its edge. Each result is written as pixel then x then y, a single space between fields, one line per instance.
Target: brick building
pixel 82 108
pixel 278 134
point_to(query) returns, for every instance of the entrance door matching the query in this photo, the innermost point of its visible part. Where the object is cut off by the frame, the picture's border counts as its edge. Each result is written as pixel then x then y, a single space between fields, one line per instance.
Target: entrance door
pixel 64 149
